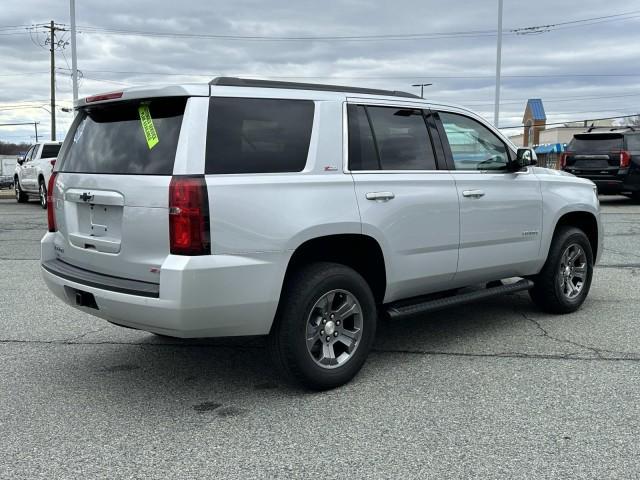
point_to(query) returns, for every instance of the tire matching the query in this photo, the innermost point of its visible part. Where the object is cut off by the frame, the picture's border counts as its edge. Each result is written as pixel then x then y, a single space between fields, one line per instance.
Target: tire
pixel 21 197
pixel 42 193
pixel 554 286
pixel 305 301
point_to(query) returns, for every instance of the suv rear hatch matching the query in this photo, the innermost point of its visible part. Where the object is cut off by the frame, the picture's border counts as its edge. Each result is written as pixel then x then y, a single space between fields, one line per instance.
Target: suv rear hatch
pixel 113 181
pixel 595 155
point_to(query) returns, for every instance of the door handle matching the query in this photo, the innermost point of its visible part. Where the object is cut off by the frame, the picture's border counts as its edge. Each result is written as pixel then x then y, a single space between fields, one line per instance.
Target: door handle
pixel 380 196
pixel 473 193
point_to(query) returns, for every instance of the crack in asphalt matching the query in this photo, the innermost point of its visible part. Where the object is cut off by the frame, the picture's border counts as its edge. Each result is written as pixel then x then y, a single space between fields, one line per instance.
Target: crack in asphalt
pixel 18 258
pixel 618 252
pixel 598 352
pixel 572 356
pixel 515 355
pixel 546 334
pixel 82 335
pixel 619 265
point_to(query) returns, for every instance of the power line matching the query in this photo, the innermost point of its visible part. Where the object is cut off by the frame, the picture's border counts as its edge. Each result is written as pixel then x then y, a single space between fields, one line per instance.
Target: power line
pixel 370 77
pixel 554 26
pixel 373 37
pixel 576 121
pixel 555 99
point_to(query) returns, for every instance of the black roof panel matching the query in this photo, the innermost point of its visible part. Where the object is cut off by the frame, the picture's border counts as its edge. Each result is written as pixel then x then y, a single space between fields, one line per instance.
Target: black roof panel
pixel 249 82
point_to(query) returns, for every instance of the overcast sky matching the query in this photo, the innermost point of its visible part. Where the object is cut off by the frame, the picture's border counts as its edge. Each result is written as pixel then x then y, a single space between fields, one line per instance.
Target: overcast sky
pixel 567 67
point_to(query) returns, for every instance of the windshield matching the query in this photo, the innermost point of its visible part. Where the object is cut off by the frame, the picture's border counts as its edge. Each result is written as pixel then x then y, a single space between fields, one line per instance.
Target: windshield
pixel 134 137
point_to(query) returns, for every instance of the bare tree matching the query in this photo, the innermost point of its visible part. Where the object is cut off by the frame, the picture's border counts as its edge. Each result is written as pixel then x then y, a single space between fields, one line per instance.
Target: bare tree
pixel 633 121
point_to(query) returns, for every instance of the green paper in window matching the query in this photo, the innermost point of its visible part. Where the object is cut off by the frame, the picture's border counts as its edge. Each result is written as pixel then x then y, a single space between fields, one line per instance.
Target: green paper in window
pixel 147 126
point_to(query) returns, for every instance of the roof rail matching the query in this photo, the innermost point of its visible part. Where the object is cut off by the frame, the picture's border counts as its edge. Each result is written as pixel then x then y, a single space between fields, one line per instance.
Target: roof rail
pixel 250 82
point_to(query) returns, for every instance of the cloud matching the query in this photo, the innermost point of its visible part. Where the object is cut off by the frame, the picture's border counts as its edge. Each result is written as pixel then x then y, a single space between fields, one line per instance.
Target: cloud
pixel 547 65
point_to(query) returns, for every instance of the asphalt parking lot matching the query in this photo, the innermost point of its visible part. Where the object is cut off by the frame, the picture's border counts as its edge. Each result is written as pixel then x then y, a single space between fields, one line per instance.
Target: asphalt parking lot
pixel 495 390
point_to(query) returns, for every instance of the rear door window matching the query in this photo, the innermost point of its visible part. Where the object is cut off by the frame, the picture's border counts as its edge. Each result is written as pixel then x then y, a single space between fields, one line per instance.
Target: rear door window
pixel 258 135
pixel 389 138
pixel 111 139
pixel 50 151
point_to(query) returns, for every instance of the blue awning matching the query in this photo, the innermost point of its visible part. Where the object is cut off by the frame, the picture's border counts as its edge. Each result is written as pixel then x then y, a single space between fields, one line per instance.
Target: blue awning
pixel 550 148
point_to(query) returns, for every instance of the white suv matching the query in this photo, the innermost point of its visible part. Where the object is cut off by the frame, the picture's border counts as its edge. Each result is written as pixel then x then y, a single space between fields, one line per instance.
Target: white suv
pixel 32 172
pixel 304 212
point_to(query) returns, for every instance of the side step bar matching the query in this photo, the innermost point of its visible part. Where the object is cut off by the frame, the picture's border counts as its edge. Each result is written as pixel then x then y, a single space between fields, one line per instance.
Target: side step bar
pixel 406 309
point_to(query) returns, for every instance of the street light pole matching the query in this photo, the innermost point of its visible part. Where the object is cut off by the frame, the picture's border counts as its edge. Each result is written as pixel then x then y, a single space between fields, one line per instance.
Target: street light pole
pixel 496 110
pixel 74 56
pixel 421 85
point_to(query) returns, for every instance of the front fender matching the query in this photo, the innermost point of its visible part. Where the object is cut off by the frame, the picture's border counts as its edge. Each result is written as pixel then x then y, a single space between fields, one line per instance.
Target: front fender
pixel 562 195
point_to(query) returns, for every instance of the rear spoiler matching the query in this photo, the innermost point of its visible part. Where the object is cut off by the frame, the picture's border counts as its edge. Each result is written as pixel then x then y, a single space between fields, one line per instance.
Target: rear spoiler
pixel 598 136
pixel 133 93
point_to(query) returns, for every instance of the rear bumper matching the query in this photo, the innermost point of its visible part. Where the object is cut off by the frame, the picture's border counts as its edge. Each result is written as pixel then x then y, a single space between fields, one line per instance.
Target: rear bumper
pixel 208 296
pixel 626 181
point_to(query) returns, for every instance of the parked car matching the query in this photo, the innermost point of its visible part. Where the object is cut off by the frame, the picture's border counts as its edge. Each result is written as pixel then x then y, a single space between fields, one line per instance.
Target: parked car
pixel 6 181
pixel 304 212
pixel 33 171
pixel 611 159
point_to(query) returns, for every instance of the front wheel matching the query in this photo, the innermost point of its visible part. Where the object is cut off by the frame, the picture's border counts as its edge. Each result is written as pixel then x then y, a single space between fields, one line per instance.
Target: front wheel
pixel 42 192
pixel 563 284
pixel 21 197
pixel 325 326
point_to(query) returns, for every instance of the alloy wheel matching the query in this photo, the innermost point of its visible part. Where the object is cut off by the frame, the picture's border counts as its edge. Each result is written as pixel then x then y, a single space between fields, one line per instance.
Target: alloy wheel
pixel 334 328
pixel 572 273
pixel 43 195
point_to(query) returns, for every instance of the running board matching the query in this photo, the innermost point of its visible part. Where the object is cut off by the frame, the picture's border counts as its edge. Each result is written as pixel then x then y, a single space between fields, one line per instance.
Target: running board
pixel 405 309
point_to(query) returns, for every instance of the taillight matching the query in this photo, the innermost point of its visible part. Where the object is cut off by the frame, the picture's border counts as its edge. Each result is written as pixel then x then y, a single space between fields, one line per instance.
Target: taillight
pixel 563 160
pixel 53 163
pixel 189 216
pixel 51 205
pixel 625 159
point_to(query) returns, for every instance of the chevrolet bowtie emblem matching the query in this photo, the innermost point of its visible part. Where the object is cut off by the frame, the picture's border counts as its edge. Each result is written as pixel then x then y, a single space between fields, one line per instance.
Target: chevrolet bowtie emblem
pixel 85 197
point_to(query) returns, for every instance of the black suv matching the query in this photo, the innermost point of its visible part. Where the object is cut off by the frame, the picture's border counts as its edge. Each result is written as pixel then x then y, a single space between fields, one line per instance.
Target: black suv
pixel 610 159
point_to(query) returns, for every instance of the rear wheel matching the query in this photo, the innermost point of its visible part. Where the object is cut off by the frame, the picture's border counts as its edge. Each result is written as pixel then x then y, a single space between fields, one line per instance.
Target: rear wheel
pixel 325 326
pixel 42 192
pixel 564 282
pixel 21 197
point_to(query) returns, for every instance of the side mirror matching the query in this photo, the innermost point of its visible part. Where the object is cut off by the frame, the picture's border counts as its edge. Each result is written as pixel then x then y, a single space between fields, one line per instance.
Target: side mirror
pixel 21 160
pixel 525 157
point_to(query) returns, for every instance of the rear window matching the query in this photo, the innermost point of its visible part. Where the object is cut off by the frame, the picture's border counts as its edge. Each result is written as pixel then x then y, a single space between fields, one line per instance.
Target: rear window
pixel 256 135
pixel 111 139
pixel 596 143
pixel 50 151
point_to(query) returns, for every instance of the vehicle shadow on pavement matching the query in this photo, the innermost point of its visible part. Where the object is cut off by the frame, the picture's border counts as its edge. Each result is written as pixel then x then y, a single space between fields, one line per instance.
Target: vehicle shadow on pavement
pixel 226 369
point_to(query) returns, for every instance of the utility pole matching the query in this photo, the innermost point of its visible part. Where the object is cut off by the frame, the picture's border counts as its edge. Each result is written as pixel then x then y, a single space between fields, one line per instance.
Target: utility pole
pixel 74 56
pixel 52 48
pixel 35 125
pixel 53 80
pixel 496 110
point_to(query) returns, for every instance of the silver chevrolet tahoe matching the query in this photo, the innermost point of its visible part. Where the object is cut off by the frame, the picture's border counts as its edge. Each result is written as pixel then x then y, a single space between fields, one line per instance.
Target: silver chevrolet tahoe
pixel 304 212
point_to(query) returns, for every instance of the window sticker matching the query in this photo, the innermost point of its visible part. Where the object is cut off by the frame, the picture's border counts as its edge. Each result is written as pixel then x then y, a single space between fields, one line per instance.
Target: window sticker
pixel 147 126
